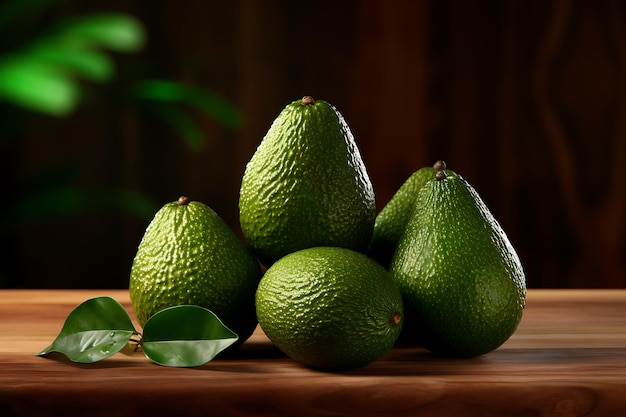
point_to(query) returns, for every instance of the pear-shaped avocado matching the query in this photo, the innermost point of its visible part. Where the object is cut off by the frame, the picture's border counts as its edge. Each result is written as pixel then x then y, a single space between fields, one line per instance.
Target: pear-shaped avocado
pixel 462 282
pixel 189 255
pixel 306 185
pixel 392 219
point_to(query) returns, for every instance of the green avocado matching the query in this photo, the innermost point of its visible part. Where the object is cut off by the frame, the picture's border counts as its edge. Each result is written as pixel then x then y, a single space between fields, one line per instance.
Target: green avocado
pixel 392 219
pixel 306 185
pixel 189 255
pixel 462 282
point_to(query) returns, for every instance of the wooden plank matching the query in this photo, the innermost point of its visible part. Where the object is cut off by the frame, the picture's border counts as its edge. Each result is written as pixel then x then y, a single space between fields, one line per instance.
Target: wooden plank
pixel 568 358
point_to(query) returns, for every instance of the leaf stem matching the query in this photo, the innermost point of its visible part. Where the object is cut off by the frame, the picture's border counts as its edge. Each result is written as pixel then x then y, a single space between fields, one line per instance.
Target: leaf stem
pixel 139 340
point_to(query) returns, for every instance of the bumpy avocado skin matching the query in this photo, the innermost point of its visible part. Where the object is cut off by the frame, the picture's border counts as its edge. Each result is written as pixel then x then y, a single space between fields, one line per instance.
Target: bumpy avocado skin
pixel 392 219
pixel 462 282
pixel 306 185
pixel 330 308
pixel 189 255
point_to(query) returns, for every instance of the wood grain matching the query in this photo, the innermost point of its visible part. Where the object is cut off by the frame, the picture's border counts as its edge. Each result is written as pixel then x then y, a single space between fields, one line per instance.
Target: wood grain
pixel 568 358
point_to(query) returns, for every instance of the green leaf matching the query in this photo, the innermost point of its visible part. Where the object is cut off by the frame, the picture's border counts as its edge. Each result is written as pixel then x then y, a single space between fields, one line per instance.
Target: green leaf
pixel 41 76
pixel 95 330
pixel 216 106
pixel 118 32
pixel 161 90
pixel 185 336
pixel 204 101
pixel 73 59
pixel 186 127
pixel 37 86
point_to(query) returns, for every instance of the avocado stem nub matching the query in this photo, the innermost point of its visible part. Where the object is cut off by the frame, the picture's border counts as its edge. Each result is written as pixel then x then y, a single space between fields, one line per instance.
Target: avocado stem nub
pixel 440 175
pixel 183 200
pixel 395 319
pixel 306 100
pixel 439 165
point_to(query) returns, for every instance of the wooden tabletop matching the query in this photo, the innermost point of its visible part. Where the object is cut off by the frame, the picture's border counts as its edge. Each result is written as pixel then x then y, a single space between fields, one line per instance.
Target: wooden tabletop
pixel 567 358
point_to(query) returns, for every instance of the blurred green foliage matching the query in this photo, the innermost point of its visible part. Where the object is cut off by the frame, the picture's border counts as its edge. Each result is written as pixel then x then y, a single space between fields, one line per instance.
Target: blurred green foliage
pixel 169 99
pixel 44 75
pixel 48 71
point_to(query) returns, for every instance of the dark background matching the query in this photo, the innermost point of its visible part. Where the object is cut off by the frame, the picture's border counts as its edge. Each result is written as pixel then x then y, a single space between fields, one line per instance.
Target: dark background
pixel 526 99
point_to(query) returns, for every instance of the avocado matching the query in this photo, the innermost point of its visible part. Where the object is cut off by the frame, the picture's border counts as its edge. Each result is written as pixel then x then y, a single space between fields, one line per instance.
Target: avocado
pixel 462 282
pixel 306 185
pixel 189 255
pixel 330 308
pixel 392 219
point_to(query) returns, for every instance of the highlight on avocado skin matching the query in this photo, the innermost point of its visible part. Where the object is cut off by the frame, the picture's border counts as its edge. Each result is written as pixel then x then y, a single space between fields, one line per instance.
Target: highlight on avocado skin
pixel 306 185
pixel 189 255
pixel 462 282
pixel 392 219
pixel 330 308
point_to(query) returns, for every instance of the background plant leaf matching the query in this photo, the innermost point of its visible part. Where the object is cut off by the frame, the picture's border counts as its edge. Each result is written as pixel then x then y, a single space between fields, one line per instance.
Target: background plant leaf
pixel 74 59
pixel 218 107
pixel 43 75
pixel 95 330
pixel 188 129
pixel 39 86
pixel 185 336
pixel 198 99
pixel 114 31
